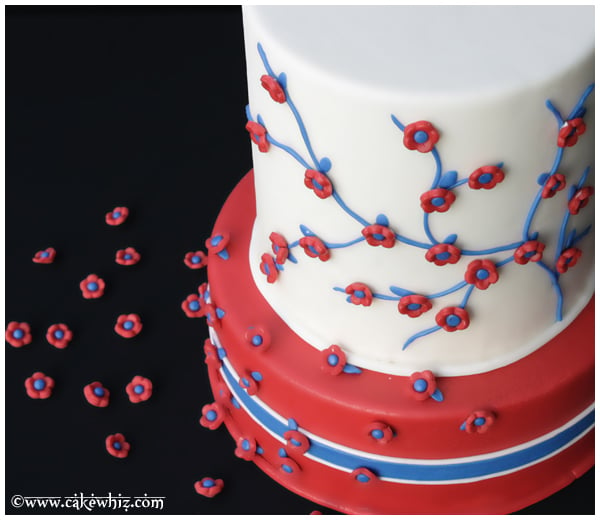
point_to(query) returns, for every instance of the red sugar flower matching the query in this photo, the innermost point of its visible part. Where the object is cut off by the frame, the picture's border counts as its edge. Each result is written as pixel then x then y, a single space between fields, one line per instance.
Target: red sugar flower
pixel 271 85
pixel 248 383
pixel 296 441
pixel 319 183
pixel 209 487
pixel 117 216
pixel 380 432
pixel 442 254
pixel 96 394
pixel 568 259
pixel 59 335
pixel 485 178
pixel 210 352
pixel 530 251
pixel 452 318
pixel 222 394
pixel 478 422
pixel 195 259
pixel 139 389
pixel 18 334
pixel 422 385
pixel 193 306
pixel 570 132
pixel 212 318
pixel 378 235
pixel 364 475
pixel 127 256
pixel 438 199
pixel 481 273
pixel 553 184
pixel 45 256
pixel 288 466
pixel 333 360
pixel 217 243
pixel 212 416
pixel 39 386
pixel 580 199
pixel 258 134
pixel 420 136
pixel 257 338
pixel 268 268
pixel 128 325
pixel 92 287
pixel 315 248
pixel 280 247
pixel 245 448
pixel 414 305
pixel 117 446
pixel 360 294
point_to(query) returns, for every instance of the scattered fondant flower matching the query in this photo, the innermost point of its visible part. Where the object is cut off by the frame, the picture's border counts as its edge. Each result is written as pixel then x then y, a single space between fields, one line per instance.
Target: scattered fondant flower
pixel 570 132
pixel 333 360
pixel 212 416
pixel 452 318
pixel 248 383
pixel 210 352
pixel 18 334
pixel 127 256
pixel 442 254
pixel 296 441
pixel 139 389
pixel 379 235
pixel 193 306
pixel 553 184
pixel 209 487
pixel 568 259
pixel 272 86
pixel 380 432
pixel 195 259
pixel 423 385
pixel 486 178
pixel 414 305
pixel 258 338
pixel 117 216
pixel 481 273
pixel 45 256
pixel 289 466
pixel 203 293
pixel 117 446
pixel 39 386
pixel 319 183
pixel 96 394
pixel 530 251
pixel 420 136
pixel 280 247
pixel 363 475
pixel 315 248
pixel 580 199
pixel 439 199
pixel 59 335
pixel 212 316
pixel 268 267
pixel 92 287
pixel 245 448
pixel 478 422
pixel 359 294
pixel 128 325
pixel 217 244
pixel 258 134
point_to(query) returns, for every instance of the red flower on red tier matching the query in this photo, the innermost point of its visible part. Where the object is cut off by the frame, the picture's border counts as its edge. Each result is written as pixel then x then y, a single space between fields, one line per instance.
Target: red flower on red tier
pixel 212 316
pixel 248 383
pixel 139 389
pixel 245 448
pixel 258 134
pixel 478 422
pixel 195 259
pixel 128 325
pixel 268 268
pixel 117 446
pixel 45 256
pixel 333 360
pixel 96 394
pixel 217 243
pixel 127 256
pixel 553 184
pixel 319 183
pixel 438 199
pixel 257 338
pixel 420 136
pixel 39 386
pixel 414 305
pixel 212 416
pixel 210 352
pixel 92 287
pixel 452 318
pixel 530 251
pixel 423 385
pixel 580 199
pixel 193 306
pixel 568 259
pixel 380 432
pixel 486 178
pixel 363 475
pixel 481 273
pixel 570 132
pixel 222 394
pixel 117 216
pixel 18 334
pixel 442 254
pixel 379 235
pixel 59 335
pixel 296 441
pixel 359 294
pixel 209 487
pixel 272 86
pixel 315 248
pixel 280 247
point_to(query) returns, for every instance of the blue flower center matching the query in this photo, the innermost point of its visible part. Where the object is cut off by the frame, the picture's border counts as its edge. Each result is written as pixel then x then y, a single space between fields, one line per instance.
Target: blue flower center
pixel 116 214
pixel 267 270
pixel 138 389
pixel 117 445
pixel 18 333
pixel 128 325
pixel 529 254
pixel 59 334
pixel 413 306
pixel 485 178
pixel 245 445
pixel 211 415
pixel 443 256
pixel 568 260
pixel 295 442
pixel 92 286
pixel 359 294
pixel 482 274
pixel 480 421
pixel 286 468
pixel 317 185
pixel 361 477
pixel 257 340
pixel 99 392
pixel 333 360
pixel 378 236
pixel 215 240
pixel 453 320
pixel 313 250
pixel 195 259
pixel 438 201
pixel 208 483
pixel 245 382
pixel 127 256
pixel 377 434
pixel 39 384
pixel 420 385
pixel 45 254
pixel 194 305
pixel 421 137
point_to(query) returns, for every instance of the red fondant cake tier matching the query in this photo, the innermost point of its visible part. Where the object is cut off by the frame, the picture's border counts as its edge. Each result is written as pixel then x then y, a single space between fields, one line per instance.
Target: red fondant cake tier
pixel 369 442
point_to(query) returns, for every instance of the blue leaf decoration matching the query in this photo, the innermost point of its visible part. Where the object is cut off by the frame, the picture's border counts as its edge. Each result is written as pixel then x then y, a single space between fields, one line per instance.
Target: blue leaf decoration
pixel 450 239
pixel 541 180
pixel 282 80
pixel 437 396
pixel 292 424
pixel 571 192
pixel 463 426
pixel 500 165
pixel 305 231
pixel 448 179
pixel 292 258
pixel 351 369
pixel 534 235
pixel 570 239
pixel 399 291
pixel 325 165
pixel 260 120
pixel 282 452
pixel 223 254
pixel 220 313
pixel 382 220
pixel 279 267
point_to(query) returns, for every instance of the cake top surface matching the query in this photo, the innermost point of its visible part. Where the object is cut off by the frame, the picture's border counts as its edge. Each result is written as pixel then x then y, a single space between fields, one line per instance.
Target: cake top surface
pixel 424 50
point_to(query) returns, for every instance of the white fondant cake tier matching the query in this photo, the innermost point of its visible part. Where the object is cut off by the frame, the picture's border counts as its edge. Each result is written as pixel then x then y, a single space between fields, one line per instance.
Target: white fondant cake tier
pixel 393 111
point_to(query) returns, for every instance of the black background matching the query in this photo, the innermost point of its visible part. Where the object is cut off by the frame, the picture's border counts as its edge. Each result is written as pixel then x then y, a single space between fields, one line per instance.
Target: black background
pixel 142 107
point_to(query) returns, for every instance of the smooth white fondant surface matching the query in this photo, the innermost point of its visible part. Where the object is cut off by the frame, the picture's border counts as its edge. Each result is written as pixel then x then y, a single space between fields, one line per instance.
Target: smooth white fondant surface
pixel 481 76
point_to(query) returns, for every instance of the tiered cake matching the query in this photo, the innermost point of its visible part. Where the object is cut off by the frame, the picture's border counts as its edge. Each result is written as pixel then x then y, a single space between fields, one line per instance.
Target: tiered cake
pixel 399 292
